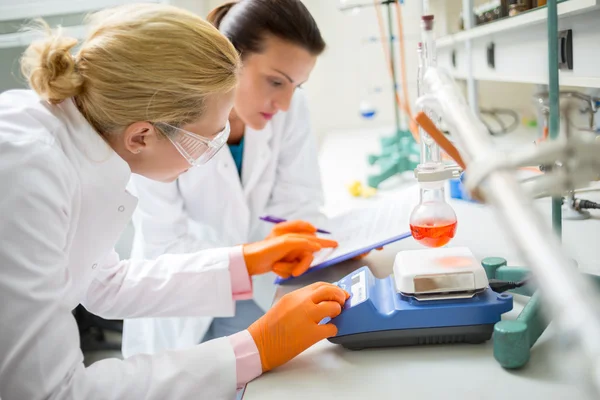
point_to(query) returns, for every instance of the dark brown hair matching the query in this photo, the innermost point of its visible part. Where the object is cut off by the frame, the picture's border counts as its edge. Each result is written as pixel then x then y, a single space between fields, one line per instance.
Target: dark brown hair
pixel 249 22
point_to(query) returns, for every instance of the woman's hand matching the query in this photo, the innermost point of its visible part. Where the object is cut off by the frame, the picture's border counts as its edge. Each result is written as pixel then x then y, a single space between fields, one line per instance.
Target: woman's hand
pixel 292 324
pixel 287 255
pixel 296 226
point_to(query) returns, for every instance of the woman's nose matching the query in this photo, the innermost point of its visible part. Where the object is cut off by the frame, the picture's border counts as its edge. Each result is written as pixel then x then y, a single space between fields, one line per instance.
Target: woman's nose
pixel 283 101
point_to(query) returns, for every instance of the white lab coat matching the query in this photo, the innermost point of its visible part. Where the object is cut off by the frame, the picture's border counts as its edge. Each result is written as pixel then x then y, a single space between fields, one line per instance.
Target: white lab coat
pixel 209 207
pixel 62 208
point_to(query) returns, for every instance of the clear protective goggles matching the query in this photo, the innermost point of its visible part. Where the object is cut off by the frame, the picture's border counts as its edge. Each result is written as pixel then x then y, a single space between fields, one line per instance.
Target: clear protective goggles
pixel 196 149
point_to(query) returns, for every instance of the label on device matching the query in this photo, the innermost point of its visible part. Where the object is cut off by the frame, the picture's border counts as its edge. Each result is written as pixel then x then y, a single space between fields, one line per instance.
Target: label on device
pixel 358 289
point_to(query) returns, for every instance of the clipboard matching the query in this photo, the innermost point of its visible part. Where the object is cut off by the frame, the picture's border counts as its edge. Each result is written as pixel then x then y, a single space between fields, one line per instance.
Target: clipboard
pixel 347 256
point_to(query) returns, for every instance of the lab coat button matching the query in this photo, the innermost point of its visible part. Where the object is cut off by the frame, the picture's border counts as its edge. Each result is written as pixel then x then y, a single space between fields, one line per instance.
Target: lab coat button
pixel 94 266
pixel 121 208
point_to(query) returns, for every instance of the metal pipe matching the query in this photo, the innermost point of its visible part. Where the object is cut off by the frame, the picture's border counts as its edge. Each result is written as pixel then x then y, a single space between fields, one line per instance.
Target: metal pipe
pixel 469 23
pixel 573 300
pixel 591 103
pixel 554 101
pixel 591 100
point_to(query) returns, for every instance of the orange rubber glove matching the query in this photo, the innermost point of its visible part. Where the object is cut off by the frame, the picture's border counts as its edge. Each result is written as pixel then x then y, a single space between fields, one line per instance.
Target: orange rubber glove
pixel 299 226
pixel 296 226
pixel 290 254
pixel 292 324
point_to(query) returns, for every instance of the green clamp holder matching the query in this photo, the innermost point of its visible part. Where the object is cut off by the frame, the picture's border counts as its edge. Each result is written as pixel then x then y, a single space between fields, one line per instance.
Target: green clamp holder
pixel 497 268
pixel 491 264
pixel 400 153
pixel 513 340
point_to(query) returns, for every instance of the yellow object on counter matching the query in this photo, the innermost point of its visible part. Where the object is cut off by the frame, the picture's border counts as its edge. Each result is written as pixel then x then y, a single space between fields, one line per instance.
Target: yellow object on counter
pixel 357 189
pixel 368 191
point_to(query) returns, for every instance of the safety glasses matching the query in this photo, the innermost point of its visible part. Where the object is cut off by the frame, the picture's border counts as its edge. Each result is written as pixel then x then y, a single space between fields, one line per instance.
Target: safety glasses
pixel 196 149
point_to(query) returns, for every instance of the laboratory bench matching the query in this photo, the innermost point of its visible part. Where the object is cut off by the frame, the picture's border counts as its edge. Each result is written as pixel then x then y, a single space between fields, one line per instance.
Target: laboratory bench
pixel 458 371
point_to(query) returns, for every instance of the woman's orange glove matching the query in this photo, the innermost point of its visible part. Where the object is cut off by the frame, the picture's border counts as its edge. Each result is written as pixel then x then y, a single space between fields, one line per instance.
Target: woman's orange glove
pixel 296 226
pixel 292 324
pixel 303 227
pixel 290 254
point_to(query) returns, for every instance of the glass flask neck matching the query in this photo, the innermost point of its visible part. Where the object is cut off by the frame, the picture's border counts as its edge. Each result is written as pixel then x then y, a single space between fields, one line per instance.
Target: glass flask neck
pixel 430 193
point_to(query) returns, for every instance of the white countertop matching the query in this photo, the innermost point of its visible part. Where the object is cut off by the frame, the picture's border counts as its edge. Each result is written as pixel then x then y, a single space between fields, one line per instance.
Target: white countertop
pixel 327 371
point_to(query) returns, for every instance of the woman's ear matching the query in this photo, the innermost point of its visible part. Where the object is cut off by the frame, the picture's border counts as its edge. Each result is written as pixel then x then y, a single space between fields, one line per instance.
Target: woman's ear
pixel 138 136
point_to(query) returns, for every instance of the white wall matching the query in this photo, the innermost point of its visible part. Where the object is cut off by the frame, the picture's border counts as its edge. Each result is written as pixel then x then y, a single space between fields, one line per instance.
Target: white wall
pixel 353 65
pixel 199 7
pixel 10 76
pixel 349 67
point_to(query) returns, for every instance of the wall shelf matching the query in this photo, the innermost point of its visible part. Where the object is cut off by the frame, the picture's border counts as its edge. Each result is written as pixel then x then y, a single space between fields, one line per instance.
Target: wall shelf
pixel 521 48
pixel 537 16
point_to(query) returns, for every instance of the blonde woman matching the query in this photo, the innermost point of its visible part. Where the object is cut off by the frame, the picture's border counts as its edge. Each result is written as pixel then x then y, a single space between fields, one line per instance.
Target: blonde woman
pixel 269 167
pixel 148 92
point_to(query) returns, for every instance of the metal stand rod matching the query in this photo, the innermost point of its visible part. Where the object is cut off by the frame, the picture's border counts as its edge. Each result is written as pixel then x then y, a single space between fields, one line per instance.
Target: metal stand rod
pixel 554 120
pixel 393 68
pixel 469 23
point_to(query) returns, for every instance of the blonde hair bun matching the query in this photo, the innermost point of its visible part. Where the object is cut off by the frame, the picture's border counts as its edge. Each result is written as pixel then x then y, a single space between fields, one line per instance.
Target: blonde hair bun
pixel 138 62
pixel 49 66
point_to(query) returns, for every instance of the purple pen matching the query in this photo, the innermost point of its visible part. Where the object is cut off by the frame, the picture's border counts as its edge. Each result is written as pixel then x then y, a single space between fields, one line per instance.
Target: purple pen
pixel 275 220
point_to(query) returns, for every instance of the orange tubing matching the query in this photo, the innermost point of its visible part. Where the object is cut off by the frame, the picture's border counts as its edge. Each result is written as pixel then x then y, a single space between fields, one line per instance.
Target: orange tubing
pixel 402 105
pixel 531 169
pixel 403 69
pixel 429 127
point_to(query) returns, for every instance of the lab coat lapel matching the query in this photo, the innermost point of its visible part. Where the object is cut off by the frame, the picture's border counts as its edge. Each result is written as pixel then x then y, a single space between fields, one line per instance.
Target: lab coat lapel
pixel 257 155
pixel 105 206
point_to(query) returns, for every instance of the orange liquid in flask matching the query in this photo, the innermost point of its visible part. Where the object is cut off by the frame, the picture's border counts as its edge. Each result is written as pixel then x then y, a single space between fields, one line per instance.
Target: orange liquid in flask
pixel 434 234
